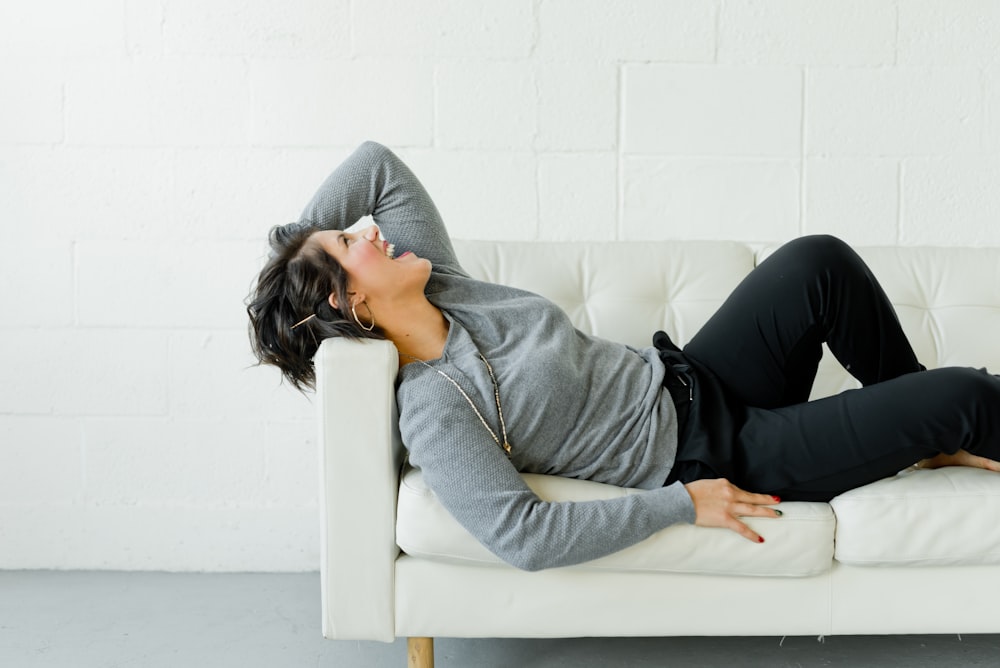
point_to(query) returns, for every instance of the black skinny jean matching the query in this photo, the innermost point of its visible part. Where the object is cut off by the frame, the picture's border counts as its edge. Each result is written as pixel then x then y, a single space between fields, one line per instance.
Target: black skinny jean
pixel 753 366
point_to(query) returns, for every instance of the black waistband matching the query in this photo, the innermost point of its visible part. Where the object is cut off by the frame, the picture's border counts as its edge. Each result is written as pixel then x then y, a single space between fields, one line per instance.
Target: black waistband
pixel 707 417
pixel 679 382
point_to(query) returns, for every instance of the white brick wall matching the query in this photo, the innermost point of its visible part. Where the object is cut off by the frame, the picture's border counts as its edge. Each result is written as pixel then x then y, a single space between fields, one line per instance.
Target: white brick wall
pixel 146 148
pixel 712 110
pixel 808 32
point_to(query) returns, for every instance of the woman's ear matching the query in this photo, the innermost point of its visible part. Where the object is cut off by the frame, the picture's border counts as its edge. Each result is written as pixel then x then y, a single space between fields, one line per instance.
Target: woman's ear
pixel 354 297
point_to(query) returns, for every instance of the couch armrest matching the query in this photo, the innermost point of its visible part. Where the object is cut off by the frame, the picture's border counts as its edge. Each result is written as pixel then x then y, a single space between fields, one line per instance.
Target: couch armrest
pixel 360 455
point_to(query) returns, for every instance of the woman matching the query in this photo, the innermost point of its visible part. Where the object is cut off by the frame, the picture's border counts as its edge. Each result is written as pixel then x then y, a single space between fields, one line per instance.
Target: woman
pixel 494 381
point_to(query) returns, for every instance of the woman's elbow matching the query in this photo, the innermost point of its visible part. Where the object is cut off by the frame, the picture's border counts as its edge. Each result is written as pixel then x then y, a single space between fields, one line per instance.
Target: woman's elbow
pixel 373 148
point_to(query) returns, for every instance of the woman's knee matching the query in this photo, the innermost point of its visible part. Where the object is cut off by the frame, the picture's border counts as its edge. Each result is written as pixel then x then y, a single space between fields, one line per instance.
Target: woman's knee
pixel 823 250
pixel 817 254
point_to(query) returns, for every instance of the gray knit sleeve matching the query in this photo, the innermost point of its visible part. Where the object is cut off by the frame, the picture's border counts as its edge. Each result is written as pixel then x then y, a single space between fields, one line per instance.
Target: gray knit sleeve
pixel 373 181
pixel 481 489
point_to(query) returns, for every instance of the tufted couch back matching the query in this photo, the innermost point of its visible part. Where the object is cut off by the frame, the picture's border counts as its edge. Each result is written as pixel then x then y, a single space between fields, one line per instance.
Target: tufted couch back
pixel 946 298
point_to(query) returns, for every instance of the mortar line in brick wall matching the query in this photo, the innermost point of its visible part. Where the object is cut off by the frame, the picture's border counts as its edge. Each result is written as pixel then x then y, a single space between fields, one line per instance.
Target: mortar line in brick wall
pixel 126 34
pixel 802 154
pixel 435 93
pixel 620 155
pixel 895 43
pixel 984 95
pixel 169 343
pixel 139 328
pixel 536 27
pixel 350 30
pixel 84 487
pixel 899 201
pixel 538 196
pixel 718 30
pixel 540 224
pixel 74 283
pixel 62 107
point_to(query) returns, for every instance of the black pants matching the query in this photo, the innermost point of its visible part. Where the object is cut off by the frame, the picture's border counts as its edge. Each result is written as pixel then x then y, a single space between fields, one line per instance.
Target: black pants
pixel 753 366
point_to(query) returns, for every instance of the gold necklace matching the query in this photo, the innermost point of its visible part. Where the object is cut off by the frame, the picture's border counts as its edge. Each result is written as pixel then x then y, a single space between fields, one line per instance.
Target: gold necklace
pixel 505 446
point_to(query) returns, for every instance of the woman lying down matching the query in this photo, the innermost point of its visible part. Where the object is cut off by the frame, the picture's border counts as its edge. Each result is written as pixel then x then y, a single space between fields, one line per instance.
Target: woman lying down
pixel 495 381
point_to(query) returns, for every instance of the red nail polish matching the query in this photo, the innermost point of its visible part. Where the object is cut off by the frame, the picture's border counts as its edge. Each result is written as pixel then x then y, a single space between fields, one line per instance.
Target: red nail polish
pixel 760 539
pixel 776 499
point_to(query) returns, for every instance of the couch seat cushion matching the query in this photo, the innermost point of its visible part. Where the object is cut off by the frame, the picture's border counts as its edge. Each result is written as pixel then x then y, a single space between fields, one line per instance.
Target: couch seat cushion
pixel 798 544
pixel 944 517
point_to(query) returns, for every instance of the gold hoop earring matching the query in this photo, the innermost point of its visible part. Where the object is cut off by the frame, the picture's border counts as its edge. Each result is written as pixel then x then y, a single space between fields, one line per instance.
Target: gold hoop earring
pixel 358 320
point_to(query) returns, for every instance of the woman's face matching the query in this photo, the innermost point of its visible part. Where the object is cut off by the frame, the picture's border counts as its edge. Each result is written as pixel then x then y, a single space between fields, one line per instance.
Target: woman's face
pixel 372 272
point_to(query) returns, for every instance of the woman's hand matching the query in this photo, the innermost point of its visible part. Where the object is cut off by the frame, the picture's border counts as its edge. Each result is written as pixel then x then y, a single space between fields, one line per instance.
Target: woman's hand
pixel 718 503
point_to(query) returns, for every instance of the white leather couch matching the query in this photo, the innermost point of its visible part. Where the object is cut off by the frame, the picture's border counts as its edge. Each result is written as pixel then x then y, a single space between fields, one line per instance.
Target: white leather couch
pixel 916 553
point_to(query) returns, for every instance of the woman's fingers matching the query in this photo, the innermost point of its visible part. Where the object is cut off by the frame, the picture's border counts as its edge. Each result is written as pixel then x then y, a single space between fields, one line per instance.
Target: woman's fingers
pixel 751 510
pixel 748 533
pixel 719 503
pixel 745 531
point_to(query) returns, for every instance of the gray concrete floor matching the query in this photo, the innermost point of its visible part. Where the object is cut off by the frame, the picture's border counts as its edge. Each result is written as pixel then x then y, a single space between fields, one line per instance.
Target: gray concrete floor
pixel 52 619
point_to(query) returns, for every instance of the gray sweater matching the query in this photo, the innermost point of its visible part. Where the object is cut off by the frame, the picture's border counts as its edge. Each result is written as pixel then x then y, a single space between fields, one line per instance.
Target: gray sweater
pixel 574 405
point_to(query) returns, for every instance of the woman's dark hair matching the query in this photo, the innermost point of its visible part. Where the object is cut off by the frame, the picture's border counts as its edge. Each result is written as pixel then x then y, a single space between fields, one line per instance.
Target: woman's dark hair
pixel 295 283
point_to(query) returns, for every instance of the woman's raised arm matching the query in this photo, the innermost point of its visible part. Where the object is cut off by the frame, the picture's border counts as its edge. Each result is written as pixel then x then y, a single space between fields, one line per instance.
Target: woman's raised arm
pixel 374 181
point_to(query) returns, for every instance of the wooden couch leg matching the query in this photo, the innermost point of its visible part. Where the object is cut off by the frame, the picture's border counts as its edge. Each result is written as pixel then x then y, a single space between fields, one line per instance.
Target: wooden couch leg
pixel 420 652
